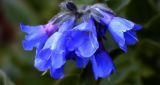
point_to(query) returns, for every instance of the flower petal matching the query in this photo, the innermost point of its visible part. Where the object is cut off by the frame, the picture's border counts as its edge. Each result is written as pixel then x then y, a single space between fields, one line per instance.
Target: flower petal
pixel 56 41
pixel 117 27
pixel 37 35
pixel 90 44
pixel 81 62
pixel 55 49
pixel 58 59
pixel 89 47
pixel 130 38
pixel 102 65
pixel 75 39
pixel 57 73
pixel 137 27
pixel 42 61
pixel 126 24
pixel 45 54
pixel 30 29
pixel 28 44
pixel 67 25
pixel 42 65
pixel 107 16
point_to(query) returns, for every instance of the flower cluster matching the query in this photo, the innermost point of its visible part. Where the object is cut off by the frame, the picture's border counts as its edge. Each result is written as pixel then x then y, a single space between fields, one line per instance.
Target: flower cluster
pixel 77 34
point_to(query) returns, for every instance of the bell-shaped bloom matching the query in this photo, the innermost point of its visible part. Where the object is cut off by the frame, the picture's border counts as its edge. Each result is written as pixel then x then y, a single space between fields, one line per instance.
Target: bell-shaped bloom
pixel 84 39
pixel 37 35
pixel 102 64
pixel 54 51
pixel 122 30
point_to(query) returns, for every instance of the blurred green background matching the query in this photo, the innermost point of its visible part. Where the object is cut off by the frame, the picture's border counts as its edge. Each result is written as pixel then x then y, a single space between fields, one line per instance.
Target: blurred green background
pixel 139 66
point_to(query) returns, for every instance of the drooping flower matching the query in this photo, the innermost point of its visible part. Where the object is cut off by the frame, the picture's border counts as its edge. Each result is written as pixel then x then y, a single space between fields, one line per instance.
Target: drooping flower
pixel 55 50
pixel 77 34
pixel 122 30
pixel 102 64
pixel 37 35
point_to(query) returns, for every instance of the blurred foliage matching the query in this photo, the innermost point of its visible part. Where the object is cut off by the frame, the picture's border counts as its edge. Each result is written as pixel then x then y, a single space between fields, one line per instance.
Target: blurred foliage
pixel 4 80
pixel 140 66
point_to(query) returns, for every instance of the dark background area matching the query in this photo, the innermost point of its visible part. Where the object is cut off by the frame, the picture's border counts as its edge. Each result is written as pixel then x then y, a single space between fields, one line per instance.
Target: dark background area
pixel 139 66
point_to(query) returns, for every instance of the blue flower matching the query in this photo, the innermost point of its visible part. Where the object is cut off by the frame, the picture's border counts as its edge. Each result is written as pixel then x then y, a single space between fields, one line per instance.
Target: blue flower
pixel 122 30
pixel 37 35
pixel 102 64
pixel 54 51
pixel 85 44
pixel 77 34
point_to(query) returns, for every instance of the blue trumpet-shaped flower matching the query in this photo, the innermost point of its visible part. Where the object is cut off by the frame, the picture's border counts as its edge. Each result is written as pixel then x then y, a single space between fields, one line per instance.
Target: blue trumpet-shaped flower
pixel 54 51
pixel 102 64
pixel 121 29
pixel 78 34
pixel 37 35
pixel 123 32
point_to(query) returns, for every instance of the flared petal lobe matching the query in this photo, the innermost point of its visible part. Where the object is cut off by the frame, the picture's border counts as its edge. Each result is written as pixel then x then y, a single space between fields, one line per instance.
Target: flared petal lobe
pixel 122 31
pixel 76 37
pixel 88 43
pixel 57 73
pixel 118 27
pixel 130 38
pixel 41 64
pixel 42 60
pixel 54 49
pixel 102 65
pixel 37 35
